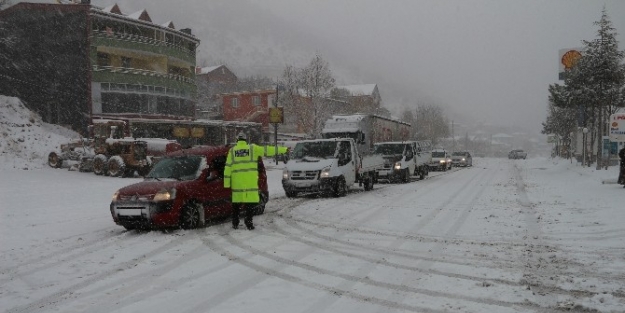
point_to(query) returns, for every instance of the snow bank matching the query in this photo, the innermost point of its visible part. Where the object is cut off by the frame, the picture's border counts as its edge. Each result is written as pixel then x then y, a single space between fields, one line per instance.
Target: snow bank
pixel 25 140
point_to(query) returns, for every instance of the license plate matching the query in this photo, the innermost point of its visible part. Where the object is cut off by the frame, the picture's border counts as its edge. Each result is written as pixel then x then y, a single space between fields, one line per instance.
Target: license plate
pixel 129 212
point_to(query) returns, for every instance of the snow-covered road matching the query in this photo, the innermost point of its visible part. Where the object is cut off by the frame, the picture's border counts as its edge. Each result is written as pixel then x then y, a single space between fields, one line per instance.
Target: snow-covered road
pixel 536 235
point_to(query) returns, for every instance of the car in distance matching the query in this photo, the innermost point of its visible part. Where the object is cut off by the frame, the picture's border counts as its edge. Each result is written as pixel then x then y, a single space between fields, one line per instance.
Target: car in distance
pixel 517 154
pixel 440 160
pixel 461 158
pixel 184 189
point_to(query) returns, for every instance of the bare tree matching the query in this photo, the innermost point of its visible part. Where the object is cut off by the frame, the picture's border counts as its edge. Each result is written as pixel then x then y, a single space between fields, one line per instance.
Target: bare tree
pixel 306 94
pixel 316 80
pixel 431 123
pixel 408 116
pixel 288 97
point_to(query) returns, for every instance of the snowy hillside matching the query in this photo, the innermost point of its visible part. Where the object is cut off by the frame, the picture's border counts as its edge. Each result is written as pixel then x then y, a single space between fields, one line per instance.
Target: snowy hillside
pixel 25 140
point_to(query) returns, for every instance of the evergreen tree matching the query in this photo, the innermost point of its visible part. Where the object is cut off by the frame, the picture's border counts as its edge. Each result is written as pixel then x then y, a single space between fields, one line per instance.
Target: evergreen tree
pixel 605 76
pixel 593 88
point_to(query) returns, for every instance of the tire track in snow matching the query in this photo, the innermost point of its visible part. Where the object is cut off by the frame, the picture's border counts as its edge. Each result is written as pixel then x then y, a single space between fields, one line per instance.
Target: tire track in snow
pixel 326 242
pixel 352 279
pixel 43 304
pixel 385 252
pixel 73 246
pixel 58 257
pixel 542 266
pixel 362 277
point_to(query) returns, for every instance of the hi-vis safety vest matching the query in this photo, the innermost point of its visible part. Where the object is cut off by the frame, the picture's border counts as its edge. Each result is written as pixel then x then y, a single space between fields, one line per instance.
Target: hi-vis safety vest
pixel 241 172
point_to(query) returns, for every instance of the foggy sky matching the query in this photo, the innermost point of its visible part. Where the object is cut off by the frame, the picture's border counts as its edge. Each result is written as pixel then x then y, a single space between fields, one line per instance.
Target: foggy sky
pixel 491 59
pixel 484 61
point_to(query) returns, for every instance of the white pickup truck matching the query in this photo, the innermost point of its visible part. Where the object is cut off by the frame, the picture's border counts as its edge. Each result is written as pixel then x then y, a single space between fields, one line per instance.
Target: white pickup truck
pixel 403 159
pixel 328 167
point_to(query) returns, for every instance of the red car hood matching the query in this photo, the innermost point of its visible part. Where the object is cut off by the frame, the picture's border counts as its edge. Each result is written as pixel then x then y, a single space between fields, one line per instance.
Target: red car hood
pixel 146 188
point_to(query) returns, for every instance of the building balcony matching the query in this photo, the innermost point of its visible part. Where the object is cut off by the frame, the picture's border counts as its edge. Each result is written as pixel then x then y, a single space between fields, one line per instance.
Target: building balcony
pixel 140 43
pixel 122 75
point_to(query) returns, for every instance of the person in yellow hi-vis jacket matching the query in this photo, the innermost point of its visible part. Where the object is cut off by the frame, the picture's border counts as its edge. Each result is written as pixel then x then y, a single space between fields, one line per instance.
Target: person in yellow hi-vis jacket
pixel 241 175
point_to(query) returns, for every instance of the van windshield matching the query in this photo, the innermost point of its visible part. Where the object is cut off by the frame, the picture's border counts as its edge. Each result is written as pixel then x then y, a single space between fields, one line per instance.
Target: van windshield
pixel 320 149
pixel 438 154
pixel 180 168
pixel 389 149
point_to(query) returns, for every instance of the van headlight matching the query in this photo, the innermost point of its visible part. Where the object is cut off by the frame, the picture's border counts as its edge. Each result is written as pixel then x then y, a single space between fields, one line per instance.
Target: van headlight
pixel 165 195
pixel 285 174
pixel 442 161
pixel 325 173
pixel 115 196
pixel 397 166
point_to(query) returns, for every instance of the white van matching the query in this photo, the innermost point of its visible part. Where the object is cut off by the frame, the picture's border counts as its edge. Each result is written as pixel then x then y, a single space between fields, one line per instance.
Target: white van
pixel 441 160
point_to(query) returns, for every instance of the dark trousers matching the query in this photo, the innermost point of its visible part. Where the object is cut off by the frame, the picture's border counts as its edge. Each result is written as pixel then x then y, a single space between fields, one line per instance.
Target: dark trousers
pixel 621 175
pixel 249 213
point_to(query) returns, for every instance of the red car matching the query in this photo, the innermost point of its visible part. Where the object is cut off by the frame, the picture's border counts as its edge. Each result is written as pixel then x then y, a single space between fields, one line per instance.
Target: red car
pixel 184 189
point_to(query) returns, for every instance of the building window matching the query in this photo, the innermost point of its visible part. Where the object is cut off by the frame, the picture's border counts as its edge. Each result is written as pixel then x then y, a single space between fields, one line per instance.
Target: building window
pixel 256 100
pixel 126 62
pixel 234 102
pixel 104 59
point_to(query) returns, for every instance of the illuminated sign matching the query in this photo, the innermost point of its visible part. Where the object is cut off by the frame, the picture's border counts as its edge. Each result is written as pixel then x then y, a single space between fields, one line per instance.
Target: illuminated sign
pixel 617 127
pixel 567 59
pixel 181 132
pixel 276 115
pixel 197 132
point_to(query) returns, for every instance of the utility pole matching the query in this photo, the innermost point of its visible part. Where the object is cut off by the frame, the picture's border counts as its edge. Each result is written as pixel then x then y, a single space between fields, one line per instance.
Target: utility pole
pixel 453 137
pixel 275 125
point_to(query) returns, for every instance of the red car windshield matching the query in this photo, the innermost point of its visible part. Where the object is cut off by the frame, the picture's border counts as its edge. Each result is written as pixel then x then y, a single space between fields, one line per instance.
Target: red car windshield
pixel 181 168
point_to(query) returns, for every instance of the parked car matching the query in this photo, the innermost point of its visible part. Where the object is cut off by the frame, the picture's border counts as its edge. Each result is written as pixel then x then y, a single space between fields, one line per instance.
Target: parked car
pixel 184 189
pixel 461 158
pixel 441 160
pixel 517 154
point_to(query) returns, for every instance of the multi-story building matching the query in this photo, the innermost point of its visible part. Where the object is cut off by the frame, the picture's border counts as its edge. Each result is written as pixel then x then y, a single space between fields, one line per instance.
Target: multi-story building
pixel 361 98
pixel 212 81
pixel 249 106
pixel 74 62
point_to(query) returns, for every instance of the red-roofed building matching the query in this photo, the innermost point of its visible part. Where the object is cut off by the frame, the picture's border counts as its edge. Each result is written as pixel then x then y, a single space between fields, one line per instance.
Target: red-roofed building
pixel 249 106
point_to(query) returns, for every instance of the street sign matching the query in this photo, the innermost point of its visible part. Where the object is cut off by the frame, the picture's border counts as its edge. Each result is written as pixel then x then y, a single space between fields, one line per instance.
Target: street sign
pixel 551 138
pixel 276 115
pixel 617 127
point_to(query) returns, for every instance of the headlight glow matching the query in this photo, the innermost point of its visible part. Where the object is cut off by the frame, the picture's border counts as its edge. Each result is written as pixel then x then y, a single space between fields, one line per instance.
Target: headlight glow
pixel 115 196
pixel 325 173
pixel 397 166
pixel 285 174
pixel 442 161
pixel 165 195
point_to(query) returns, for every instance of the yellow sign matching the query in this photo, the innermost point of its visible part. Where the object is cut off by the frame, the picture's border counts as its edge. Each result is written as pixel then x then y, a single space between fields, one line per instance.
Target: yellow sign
pixel 181 132
pixel 570 58
pixel 197 132
pixel 276 115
